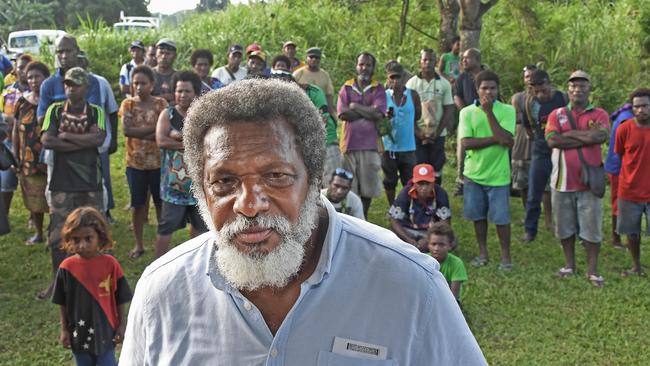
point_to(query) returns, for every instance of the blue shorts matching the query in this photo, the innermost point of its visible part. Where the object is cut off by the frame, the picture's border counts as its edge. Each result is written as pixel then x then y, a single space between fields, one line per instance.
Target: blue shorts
pixel 140 183
pixel 484 202
pixel 630 215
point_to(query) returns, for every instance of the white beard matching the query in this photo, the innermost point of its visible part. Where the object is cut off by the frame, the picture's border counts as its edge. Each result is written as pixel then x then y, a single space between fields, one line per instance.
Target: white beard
pixel 251 271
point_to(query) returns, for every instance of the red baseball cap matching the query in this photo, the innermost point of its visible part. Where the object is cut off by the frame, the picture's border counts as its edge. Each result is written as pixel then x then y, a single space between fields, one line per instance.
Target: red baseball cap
pixel 253 47
pixel 423 172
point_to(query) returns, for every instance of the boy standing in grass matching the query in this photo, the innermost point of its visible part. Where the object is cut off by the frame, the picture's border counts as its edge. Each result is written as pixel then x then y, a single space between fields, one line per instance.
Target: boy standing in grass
pixel 440 238
pixel 633 145
pixel 139 117
pixel 486 131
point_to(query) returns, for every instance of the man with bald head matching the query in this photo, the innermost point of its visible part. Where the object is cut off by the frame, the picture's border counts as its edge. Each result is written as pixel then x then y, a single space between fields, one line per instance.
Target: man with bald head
pixel 282 278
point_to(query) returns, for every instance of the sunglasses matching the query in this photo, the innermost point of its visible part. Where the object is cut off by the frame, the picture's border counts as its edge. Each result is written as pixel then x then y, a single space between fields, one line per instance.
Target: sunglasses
pixel 343 173
pixel 313 56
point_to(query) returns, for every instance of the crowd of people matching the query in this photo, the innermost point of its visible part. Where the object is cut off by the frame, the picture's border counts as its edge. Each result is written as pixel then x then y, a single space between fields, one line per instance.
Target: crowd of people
pixel 61 126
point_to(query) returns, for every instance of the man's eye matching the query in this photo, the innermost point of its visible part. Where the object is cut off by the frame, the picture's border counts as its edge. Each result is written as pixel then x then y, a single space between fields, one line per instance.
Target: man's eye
pixel 223 184
pixel 279 179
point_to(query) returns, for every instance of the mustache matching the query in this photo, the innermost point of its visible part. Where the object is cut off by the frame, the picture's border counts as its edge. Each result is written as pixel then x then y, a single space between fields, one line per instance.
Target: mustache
pixel 278 223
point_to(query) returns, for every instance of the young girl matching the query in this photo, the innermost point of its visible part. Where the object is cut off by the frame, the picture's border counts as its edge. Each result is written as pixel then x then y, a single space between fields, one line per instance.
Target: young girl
pixel 91 290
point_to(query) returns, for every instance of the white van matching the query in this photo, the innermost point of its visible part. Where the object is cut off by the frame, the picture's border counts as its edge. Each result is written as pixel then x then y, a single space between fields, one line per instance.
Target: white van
pixel 30 41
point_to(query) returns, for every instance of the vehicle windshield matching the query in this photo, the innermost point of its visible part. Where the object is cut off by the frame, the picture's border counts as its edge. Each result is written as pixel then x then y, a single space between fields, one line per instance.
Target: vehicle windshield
pixel 23 42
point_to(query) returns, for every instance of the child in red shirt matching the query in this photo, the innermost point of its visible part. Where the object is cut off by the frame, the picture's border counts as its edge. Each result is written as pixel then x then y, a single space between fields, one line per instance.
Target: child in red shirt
pixel 91 290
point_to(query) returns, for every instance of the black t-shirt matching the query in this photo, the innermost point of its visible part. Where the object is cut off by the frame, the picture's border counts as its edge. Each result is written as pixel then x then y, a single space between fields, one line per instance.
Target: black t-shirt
pixel 163 84
pixel 79 170
pixel 536 116
pixel 466 89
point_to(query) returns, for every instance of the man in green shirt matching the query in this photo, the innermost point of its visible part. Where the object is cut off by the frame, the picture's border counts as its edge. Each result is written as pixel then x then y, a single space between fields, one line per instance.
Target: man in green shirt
pixel 486 131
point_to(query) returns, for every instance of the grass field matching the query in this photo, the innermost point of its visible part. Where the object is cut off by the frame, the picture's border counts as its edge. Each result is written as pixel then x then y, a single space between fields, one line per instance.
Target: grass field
pixel 526 317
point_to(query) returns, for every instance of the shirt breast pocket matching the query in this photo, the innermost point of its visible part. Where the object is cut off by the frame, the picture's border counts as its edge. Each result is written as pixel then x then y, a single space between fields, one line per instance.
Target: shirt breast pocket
pixel 332 359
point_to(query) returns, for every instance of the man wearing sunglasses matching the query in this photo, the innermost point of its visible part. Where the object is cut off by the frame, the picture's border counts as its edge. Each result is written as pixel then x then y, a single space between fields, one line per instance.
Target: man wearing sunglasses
pixel 339 194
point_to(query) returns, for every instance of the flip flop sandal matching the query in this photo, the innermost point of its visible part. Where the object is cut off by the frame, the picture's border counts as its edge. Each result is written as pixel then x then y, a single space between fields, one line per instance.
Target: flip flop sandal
pixel 596 281
pixel 134 254
pixel 505 267
pixel 631 272
pixel 479 262
pixel 565 272
pixel 33 240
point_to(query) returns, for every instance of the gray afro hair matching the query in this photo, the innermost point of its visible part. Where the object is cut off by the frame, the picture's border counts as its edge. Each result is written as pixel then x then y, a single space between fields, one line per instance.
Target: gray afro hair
pixel 259 101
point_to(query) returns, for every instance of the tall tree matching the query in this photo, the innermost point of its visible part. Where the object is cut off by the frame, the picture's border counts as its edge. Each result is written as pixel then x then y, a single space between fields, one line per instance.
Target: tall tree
pixel 449 10
pixel 471 12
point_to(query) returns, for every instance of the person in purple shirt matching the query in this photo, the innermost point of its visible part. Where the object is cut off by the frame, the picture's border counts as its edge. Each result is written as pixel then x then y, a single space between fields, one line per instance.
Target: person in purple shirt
pixel 613 167
pixel 361 105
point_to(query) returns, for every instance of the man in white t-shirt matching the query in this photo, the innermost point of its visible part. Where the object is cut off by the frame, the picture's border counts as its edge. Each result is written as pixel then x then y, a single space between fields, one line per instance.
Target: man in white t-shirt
pixel 437 113
pixel 137 51
pixel 231 71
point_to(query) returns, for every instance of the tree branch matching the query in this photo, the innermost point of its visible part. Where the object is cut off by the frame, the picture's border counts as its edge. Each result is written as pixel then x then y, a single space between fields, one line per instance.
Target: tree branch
pixel 484 7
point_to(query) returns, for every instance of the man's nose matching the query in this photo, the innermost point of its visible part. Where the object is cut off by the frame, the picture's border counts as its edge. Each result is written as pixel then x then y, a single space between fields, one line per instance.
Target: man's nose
pixel 252 200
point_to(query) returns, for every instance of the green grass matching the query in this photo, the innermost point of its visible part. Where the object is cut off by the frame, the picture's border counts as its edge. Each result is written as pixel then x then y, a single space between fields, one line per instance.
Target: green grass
pixel 527 317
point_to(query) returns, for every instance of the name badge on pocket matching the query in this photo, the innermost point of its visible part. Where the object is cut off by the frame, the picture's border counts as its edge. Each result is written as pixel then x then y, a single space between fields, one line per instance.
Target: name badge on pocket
pixel 348 347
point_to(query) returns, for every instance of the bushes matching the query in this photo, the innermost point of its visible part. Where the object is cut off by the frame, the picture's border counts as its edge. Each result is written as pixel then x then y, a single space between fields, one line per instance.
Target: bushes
pixel 603 38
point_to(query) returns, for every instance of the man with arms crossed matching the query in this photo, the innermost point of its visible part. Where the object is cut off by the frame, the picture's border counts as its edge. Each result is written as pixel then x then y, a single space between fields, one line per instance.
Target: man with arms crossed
pixel 578 211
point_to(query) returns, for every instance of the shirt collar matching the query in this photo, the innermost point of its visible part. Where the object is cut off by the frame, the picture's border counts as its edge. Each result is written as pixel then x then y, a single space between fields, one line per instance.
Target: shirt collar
pixel 322 268
pixel 587 108
pixel 353 84
pixel 436 77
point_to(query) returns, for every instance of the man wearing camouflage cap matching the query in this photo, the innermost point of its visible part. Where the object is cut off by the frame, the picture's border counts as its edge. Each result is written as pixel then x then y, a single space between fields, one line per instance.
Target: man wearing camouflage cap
pixel 73 129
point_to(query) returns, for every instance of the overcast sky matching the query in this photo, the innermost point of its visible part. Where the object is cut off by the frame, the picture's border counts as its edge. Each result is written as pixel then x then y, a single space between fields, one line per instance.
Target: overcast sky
pixel 172 6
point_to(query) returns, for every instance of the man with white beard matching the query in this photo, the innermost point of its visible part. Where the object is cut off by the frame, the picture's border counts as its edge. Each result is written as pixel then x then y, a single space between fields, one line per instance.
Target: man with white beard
pixel 282 278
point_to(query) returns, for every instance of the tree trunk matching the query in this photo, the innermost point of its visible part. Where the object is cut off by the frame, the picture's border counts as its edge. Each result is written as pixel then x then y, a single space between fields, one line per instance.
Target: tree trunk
pixel 403 21
pixel 471 12
pixel 449 10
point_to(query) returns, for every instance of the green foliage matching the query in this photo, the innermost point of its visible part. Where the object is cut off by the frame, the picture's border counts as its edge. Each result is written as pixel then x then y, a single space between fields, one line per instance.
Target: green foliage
pixel 24 14
pixel 596 37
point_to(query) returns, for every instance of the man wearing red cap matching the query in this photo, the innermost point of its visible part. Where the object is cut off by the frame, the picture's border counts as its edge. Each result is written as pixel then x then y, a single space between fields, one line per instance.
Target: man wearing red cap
pixel 420 203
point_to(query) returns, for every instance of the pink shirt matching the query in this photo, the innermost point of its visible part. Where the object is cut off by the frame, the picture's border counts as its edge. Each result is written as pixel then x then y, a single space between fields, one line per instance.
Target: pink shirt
pixel 361 134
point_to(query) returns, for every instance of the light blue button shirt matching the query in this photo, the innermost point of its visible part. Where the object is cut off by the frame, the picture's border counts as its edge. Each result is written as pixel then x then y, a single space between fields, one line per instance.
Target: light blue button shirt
pixel 368 287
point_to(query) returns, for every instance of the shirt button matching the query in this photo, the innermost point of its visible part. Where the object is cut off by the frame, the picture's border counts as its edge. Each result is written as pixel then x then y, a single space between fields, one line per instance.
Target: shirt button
pixel 274 352
pixel 248 306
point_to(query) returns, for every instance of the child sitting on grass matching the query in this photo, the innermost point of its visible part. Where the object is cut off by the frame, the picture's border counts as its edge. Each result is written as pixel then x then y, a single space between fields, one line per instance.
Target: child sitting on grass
pixel 91 290
pixel 440 238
